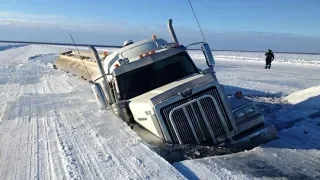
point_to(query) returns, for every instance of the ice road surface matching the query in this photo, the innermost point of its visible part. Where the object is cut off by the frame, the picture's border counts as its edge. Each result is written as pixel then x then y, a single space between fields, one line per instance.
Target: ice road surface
pixel 51 128
pixel 288 73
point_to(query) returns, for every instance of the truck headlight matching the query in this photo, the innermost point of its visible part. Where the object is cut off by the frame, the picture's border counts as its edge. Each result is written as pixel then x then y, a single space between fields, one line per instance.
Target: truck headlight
pixel 244 112
pixel 250 110
pixel 240 114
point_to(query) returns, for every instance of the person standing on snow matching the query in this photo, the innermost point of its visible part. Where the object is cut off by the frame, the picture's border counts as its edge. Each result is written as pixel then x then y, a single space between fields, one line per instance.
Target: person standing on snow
pixel 269 58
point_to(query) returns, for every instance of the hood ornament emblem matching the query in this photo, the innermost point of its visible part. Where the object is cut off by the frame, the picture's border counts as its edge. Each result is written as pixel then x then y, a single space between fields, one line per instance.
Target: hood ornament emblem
pixel 186 93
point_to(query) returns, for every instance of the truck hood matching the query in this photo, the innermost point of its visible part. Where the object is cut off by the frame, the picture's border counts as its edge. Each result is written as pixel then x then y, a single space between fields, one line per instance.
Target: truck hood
pixel 159 94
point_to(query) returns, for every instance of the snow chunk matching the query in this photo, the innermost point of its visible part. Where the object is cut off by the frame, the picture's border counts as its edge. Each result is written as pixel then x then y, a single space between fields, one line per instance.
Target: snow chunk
pixel 307 98
pixel 50 65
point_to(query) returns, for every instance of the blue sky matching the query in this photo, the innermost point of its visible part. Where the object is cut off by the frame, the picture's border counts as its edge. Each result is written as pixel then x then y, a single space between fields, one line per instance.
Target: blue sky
pixel 254 21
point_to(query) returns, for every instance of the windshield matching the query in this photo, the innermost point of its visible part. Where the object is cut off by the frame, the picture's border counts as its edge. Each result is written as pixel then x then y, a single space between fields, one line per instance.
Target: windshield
pixel 144 79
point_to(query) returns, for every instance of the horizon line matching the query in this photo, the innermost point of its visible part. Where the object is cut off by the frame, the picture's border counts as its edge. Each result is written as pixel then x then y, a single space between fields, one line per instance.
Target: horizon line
pixel 117 46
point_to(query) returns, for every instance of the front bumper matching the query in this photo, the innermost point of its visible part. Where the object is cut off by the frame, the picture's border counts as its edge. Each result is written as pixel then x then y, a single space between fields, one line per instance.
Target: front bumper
pixel 255 137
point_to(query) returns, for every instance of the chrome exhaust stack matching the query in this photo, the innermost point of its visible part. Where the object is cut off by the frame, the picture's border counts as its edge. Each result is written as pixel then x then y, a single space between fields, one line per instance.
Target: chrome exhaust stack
pixel 105 85
pixel 209 59
pixel 172 33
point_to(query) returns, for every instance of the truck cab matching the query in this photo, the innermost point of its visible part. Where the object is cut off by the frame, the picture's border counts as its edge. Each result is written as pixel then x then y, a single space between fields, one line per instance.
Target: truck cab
pixel 157 85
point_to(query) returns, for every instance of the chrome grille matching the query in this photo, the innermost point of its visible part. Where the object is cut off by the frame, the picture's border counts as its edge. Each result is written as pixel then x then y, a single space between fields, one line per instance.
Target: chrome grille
pixel 196 119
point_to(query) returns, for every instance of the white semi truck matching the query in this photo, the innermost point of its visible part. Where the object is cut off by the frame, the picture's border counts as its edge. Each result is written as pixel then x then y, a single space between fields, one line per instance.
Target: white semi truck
pixel 157 85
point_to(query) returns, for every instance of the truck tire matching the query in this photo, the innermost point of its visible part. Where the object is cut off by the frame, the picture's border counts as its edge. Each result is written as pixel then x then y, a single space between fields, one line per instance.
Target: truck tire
pixel 121 109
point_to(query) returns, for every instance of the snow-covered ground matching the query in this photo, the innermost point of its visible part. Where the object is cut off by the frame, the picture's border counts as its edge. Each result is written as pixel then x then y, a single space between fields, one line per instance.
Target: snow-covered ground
pixel 286 75
pixel 51 128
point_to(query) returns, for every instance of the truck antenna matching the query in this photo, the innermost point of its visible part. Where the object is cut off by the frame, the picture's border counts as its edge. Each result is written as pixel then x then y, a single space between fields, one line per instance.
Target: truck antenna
pixel 204 39
pixel 80 57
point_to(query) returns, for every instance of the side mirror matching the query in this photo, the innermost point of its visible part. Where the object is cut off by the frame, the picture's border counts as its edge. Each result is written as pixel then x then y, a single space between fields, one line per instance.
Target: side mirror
pixel 208 54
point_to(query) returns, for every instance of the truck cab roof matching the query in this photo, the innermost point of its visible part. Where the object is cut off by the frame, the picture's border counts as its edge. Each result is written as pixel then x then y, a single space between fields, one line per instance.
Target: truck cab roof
pixel 132 52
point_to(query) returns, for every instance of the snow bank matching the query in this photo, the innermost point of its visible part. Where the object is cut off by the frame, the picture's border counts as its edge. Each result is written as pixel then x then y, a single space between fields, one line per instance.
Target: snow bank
pixel 306 98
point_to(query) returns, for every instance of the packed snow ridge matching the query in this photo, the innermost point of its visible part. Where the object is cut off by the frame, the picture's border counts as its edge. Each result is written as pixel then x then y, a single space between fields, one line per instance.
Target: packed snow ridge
pixel 306 99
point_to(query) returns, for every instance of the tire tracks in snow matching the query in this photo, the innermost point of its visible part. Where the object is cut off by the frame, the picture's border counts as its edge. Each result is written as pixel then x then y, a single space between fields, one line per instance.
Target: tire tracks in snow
pixel 70 147
pixel 82 160
pixel 75 150
pixel 50 136
pixel 76 142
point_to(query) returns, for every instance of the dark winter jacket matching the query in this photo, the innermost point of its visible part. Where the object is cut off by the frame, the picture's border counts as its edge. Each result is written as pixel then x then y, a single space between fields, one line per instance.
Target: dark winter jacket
pixel 269 56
